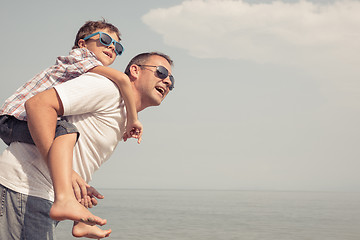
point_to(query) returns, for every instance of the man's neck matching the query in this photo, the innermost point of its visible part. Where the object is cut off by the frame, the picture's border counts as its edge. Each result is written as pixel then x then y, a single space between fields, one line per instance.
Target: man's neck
pixel 137 98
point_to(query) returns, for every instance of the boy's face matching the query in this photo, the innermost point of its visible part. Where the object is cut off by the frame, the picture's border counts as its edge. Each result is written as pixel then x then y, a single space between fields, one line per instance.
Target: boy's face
pixel 105 54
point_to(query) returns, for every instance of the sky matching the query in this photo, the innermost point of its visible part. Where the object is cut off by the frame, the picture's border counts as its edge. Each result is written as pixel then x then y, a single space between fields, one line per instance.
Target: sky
pixel 266 94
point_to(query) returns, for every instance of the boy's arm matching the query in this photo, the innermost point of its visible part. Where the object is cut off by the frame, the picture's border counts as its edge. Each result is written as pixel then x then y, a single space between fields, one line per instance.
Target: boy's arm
pixel 133 127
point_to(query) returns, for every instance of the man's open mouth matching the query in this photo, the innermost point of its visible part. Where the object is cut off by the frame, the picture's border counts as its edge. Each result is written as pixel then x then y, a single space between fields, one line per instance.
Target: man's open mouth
pixel 160 90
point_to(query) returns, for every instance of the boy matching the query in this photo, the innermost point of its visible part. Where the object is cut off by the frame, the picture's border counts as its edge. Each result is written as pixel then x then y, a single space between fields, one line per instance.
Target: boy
pixel 94 50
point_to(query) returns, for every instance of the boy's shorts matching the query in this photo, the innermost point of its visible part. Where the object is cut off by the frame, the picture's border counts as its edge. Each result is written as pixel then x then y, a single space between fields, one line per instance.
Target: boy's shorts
pixel 15 130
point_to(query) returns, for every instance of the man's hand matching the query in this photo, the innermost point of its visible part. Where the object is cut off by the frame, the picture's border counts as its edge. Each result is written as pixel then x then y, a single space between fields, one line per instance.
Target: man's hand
pixel 84 193
pixel 80 187
pixel 93 194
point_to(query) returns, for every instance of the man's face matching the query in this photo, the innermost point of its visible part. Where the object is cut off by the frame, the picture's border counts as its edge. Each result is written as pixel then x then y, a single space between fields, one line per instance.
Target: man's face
pixel 151 88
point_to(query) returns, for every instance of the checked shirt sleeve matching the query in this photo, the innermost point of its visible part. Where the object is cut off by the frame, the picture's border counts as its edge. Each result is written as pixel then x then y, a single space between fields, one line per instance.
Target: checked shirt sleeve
pixel 79 62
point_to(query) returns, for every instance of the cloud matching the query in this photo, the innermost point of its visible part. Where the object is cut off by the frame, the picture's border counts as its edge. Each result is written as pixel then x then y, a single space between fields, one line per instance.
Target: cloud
pixel 276 32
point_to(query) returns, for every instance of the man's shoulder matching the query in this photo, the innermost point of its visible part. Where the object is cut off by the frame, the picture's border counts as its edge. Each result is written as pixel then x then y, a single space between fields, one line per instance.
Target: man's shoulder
pixel 90 92
pixel 94 79
pixel 93 75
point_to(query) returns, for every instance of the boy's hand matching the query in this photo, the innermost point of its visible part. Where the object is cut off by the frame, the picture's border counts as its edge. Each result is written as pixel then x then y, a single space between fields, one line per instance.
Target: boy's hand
pixel 133 130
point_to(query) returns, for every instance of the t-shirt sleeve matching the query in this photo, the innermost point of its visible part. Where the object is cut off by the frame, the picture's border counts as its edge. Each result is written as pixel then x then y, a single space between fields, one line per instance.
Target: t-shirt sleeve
pixel 88 93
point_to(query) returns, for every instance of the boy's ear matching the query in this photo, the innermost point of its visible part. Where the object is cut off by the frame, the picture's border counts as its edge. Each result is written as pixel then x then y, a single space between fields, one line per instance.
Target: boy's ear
pixel 81 43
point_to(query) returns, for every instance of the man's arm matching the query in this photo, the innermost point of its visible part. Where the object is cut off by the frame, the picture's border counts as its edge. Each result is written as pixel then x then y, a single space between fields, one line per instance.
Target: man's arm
pixel 42 111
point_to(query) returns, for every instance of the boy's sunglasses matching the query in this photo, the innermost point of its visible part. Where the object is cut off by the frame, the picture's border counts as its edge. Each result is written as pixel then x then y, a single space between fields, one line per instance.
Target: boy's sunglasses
pixel 106 40
pixel 162 73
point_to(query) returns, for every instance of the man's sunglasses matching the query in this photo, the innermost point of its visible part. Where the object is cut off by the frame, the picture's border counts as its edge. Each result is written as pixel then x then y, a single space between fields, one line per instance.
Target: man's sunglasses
pixel 162 73
pixel 106 40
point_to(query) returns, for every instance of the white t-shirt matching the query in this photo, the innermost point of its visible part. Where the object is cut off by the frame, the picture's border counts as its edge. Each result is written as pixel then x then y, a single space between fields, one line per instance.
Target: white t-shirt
pixel 94 105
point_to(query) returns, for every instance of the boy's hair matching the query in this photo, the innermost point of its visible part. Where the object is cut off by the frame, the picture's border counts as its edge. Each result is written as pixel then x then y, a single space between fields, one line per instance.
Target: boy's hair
pixel 92 26
pixel 142 58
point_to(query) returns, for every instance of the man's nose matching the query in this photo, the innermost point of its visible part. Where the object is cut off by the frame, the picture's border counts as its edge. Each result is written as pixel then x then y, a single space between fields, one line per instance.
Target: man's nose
pixel 167 81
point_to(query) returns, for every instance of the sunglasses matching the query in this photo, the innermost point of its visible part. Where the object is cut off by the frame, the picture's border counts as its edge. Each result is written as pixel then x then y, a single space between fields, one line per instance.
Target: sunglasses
pixel 106 40
pixel 162 73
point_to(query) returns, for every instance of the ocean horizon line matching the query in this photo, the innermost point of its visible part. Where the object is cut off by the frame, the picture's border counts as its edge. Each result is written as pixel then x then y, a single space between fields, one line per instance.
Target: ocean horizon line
pixel 227 190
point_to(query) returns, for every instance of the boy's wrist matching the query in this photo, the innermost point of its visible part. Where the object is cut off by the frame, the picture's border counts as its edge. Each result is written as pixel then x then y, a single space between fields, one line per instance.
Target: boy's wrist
pixel 131 118
pixel 132 115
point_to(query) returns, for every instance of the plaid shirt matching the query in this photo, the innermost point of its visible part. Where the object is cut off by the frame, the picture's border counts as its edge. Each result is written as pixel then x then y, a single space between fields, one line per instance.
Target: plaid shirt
pixel 78 62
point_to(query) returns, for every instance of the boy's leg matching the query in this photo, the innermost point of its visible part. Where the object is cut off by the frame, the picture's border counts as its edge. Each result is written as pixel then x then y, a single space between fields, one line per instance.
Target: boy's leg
pixel 66 206
pixel 25 217
pixel 60 165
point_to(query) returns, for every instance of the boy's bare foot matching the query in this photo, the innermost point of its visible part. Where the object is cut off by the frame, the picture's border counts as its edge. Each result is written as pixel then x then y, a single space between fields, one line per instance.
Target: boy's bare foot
pixel 84 230
pixel 70 209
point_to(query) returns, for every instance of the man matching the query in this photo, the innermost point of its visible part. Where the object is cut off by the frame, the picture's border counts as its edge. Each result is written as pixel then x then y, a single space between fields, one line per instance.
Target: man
pixel 93 105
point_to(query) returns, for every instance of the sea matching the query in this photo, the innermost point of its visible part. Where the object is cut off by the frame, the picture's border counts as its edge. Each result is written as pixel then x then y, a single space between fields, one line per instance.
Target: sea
pixel 226 215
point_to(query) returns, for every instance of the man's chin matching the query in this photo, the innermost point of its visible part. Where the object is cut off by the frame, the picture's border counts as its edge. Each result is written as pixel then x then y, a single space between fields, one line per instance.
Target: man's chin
pixel 158 100
pixel 155 102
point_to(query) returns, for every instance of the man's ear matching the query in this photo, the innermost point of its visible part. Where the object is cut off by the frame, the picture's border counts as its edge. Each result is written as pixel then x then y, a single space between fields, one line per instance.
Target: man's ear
pixel 134 72
pixel 81 43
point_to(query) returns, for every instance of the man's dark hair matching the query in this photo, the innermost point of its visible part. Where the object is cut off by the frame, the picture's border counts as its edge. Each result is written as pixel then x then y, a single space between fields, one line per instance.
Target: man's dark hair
pixel 142 58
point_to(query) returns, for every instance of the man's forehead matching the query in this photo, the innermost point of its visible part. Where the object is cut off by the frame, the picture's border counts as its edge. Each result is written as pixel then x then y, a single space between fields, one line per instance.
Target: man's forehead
pixel 159 61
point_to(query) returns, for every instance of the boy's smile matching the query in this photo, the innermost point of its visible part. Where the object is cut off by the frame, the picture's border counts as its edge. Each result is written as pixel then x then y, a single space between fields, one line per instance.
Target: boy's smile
pixel 109 53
